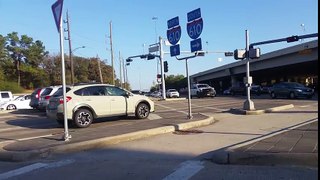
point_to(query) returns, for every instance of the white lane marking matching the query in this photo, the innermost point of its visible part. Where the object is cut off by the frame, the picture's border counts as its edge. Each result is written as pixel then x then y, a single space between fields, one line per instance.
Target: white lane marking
pixel 22 170
pixel 33 167
pixel 153 116
pixel 219 109
pixel 28 138
pixel 170 109
pixel 186 170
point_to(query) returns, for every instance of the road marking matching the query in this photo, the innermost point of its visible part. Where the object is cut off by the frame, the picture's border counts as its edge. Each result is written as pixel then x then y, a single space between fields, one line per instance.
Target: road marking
pixel 153 116
pixel 22 170
pixel 219 109
pixel 33 167
pixel 186 170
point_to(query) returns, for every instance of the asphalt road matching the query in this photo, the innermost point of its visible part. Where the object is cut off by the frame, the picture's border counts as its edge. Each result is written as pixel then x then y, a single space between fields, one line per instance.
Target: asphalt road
pixel 24 124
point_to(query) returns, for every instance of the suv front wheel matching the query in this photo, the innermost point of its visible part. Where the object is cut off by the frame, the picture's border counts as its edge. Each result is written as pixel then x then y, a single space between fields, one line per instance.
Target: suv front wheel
pixel 83 118
pixel 142 111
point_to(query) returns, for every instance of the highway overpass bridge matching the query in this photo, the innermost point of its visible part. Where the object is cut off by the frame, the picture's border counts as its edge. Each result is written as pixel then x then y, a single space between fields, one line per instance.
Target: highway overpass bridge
pixel 298 63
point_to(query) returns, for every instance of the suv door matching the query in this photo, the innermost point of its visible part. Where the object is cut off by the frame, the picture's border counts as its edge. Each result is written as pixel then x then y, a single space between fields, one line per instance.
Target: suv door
pixel 118 101
pixel 96 97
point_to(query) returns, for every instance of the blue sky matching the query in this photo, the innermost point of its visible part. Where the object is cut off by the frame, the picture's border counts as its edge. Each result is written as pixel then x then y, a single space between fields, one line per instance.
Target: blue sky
pixel 133 28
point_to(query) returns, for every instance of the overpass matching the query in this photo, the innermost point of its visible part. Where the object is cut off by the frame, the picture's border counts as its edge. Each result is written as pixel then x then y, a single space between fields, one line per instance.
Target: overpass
pixel 298 63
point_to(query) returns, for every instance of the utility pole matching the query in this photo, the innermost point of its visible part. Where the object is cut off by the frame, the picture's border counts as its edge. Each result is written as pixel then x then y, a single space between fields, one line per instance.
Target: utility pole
pixel 70 49
pixel 100 74
pixel 120 70
pixel 112 63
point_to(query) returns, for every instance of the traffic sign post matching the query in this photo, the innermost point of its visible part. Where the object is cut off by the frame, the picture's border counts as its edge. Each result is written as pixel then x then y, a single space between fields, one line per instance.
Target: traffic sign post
pixel 57 12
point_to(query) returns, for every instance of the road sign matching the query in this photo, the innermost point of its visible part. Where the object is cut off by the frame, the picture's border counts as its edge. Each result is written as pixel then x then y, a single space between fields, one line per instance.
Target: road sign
pixel 175 50
pixel 174 35
pixel 57 11
pixel 154 48
pixel 173 22
pixel 196 45
pixel 194 28
pixel 195 14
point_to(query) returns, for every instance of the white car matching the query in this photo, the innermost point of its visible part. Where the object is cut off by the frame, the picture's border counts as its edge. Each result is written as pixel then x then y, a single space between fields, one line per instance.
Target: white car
pixel 172 93
pixel 21 102
pixel 87 102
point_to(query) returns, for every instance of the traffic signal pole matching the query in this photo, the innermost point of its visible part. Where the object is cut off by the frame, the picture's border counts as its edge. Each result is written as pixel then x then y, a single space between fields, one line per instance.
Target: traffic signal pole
pixel 162 69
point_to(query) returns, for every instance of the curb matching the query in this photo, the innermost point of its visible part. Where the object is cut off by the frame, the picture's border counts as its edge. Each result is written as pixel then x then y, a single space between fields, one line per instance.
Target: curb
pixel 271 159
pixel 258 112
pixel 97 143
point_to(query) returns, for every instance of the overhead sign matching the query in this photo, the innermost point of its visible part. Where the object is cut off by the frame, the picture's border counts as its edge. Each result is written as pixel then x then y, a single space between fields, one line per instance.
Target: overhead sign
pixel 194 28
pixel 173 22
pixel 57 11
pixel 175 50
pixel 196 45
pixel 174 35
pixel 195 14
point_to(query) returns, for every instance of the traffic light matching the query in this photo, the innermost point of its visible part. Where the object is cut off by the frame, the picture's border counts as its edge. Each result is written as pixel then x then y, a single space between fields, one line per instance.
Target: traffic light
pixel 292 39
pixel 228 54
pixel 239 54
pixel 158 76
pixel 165 63
pixel 129 60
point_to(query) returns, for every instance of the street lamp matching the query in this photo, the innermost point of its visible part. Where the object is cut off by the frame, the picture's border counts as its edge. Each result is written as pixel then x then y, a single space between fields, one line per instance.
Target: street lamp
pixel 71 63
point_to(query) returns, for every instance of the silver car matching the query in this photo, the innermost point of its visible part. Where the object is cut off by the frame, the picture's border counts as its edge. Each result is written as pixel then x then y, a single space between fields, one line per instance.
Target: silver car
pixel 90 101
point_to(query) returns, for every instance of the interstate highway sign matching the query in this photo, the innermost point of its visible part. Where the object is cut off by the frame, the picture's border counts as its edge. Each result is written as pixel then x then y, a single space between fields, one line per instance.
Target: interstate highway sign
pixel 174 35
pixel 194 28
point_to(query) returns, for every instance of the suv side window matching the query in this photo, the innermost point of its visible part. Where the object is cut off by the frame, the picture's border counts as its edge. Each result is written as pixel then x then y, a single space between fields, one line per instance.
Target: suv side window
pixel 114 91
pixel 91 91
pixel 5 95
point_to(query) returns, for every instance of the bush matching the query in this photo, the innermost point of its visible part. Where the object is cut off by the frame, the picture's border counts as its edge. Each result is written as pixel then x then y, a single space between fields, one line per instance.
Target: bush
pixel 11 86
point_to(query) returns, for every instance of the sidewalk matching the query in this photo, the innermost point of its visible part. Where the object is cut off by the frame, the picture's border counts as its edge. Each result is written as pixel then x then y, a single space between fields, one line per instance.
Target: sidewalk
pixel 84 139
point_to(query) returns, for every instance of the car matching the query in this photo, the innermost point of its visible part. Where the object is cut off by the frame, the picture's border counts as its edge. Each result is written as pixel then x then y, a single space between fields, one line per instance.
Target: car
pixel 6 96
pixel 20 102
pixel 45 96
pixel 291 90
pixel 241 89
pixel 172 93
pixel 137 92
pixel 87 102
pixel 227 91
pixel 202 90
pixel 156 94
pixel 35 97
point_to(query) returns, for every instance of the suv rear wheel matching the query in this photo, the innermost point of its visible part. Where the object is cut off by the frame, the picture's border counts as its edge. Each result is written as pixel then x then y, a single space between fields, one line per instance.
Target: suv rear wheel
pixel 142 111
pixel 83 118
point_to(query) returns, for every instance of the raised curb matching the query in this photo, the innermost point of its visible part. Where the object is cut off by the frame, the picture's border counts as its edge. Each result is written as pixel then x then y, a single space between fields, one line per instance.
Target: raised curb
pixel 101 142
pixel 258 112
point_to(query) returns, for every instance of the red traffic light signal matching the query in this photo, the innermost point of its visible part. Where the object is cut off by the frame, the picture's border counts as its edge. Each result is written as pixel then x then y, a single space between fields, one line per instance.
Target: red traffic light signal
pixel 292 38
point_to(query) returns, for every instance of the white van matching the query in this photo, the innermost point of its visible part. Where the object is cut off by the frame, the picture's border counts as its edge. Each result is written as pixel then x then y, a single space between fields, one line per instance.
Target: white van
pixel 5 96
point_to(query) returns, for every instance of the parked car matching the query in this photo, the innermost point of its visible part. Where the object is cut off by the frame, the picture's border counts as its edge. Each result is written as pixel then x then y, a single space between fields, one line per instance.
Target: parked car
pixel 91 101
pixel 46 95
pixel 241 89
pixel 202 90
pixel 227 91
pixel 35 97
pixel 137 92
pixel 290 90
pixel 156 94
pixel 6 96
pixel 20 102
pixel 172 93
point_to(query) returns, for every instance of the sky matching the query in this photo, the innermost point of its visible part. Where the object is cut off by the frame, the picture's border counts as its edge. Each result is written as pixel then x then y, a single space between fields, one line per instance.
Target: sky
pixel 137 24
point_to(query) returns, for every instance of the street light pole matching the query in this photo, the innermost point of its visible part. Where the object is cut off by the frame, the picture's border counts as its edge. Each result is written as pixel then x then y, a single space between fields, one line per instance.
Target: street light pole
pixel 71 62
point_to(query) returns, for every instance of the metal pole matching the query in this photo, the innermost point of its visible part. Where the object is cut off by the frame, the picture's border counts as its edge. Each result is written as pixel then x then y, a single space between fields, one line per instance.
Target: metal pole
pixel 248 104
pixel 66 132
pixel 112 63
pixel 189 95
pixel 70 50
pixel 162 70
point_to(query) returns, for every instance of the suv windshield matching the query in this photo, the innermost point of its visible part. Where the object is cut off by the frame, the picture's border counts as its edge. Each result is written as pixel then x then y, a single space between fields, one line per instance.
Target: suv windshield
pixel 203 86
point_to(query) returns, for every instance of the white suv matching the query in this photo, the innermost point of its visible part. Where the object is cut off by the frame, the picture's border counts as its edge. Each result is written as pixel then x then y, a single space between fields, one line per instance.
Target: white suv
pixel 88 102
pixel 172 93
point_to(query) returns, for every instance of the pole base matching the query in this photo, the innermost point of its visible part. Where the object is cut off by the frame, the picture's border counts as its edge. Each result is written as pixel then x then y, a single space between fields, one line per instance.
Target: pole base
pixel 248 105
